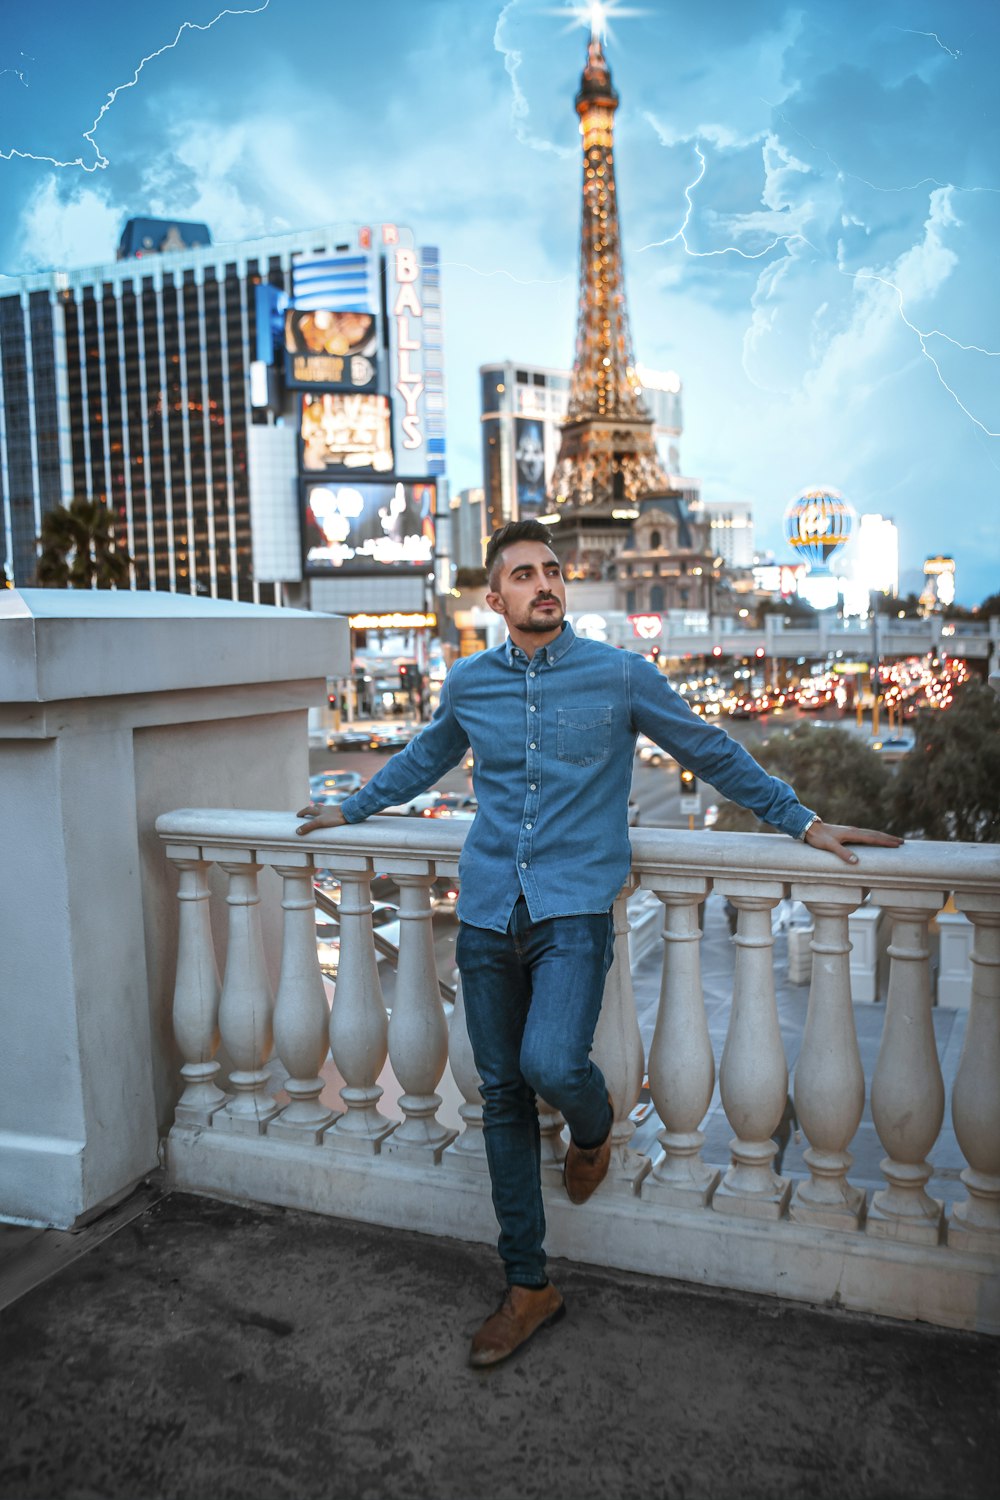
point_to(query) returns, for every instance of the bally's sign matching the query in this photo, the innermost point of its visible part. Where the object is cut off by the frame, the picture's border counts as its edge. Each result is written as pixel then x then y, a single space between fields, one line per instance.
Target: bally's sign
pixel 406 343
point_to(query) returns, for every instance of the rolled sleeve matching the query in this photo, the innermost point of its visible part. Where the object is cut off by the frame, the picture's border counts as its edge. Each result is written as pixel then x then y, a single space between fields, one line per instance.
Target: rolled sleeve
pixel 661 713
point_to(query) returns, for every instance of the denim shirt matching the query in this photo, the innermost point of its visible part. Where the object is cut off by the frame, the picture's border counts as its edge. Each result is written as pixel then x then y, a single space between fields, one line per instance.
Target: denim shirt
pixel 553 740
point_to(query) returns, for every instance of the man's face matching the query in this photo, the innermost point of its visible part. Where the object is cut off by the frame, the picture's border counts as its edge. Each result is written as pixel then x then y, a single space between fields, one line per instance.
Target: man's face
pixel 530 592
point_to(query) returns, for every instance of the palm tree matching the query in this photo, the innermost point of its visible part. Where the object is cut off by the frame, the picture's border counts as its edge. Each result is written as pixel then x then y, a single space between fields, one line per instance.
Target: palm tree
pixel 78 548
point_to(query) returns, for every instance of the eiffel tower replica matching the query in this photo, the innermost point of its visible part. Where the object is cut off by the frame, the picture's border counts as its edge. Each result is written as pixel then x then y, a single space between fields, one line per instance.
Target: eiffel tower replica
pixel 607 457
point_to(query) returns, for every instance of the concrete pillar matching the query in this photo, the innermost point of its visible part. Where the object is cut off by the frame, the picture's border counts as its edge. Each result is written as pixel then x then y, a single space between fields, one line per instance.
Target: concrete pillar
pixel 115 707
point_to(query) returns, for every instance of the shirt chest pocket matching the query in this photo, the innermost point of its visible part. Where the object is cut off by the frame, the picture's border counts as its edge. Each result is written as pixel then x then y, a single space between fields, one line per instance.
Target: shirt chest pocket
pixel 583 734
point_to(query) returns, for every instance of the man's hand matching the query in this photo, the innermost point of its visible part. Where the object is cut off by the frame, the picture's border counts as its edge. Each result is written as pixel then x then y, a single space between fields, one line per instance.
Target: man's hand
pixel 833 836
pixel 320 817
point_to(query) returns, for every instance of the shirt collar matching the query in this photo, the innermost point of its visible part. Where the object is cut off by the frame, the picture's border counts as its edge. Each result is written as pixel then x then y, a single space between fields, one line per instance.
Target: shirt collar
pixel 551 653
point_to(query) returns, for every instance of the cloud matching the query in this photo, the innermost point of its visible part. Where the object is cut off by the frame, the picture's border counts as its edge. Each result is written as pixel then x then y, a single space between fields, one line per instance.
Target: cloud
pixel 67 223
pixel 513 60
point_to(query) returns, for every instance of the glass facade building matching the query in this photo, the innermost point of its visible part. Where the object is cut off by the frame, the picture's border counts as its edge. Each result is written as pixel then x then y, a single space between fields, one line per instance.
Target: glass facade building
pixel 130 383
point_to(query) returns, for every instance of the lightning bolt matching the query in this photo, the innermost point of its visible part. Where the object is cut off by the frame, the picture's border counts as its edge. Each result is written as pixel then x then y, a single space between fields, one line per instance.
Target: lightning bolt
pixel 102 161
pixel 519 107
pixel 908 32
pixel 923 336
pixel 533 281
pixel 18 72
pixel 681 233
pixel 907 187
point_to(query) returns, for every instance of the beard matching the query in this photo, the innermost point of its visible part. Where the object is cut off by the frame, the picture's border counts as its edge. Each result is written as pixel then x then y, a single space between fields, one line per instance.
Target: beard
pixel 542 625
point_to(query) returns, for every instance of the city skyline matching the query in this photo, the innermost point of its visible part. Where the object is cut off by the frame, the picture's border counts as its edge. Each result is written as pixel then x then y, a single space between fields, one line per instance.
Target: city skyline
pixel 808 199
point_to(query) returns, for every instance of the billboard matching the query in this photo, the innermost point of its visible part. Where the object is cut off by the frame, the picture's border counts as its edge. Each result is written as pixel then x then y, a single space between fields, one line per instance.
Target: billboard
pixel 529 465
pixel 341 431
pixel 416 362
pixel 330 349
pixel 363 526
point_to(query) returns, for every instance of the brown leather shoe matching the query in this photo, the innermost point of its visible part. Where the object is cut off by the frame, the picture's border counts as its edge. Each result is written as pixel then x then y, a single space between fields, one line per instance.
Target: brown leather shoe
pixel 522 1312
pixel 584 1171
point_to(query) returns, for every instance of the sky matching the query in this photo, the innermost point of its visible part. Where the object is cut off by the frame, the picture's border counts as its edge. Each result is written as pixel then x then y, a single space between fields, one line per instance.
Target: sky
pixel 809 198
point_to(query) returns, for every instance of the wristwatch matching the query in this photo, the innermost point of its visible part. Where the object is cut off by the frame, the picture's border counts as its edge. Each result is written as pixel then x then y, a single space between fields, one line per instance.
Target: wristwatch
pixel 814 819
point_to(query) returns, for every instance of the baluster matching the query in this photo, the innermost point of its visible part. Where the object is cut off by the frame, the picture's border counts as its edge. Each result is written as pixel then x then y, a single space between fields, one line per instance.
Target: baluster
pixel 681 1064
pixel 246 1006
pixel 358 1023
pixel 196 996
pixel 753 1077
pixel 418 1031
pixel 551 1143
pixel 975 1101
pixel 907 1088
pixel 829 1079
pixel 300 1009
pixel 617 1051
pixel 469 1150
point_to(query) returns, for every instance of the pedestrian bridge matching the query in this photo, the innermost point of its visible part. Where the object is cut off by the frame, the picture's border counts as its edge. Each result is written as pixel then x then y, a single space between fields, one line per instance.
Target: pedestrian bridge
pixel 327 1140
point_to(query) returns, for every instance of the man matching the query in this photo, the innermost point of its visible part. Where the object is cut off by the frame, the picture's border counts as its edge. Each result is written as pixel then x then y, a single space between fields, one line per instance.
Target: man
pixel 552 720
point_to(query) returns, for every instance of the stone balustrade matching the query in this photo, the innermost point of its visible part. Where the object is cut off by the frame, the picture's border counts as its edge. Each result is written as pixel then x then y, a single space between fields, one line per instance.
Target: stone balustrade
pixel 735 1224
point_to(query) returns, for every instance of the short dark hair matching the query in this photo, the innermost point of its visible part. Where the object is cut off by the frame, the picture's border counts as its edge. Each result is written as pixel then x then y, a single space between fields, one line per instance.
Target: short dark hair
pixel 514 531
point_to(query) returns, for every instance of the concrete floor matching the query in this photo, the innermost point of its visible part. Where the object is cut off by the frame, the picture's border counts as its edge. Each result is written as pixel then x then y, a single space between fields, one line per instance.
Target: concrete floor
pixel 208 1350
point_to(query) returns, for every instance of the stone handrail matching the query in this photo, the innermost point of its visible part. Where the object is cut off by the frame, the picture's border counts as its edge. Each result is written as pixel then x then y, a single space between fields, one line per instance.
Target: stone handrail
pixel 820 1237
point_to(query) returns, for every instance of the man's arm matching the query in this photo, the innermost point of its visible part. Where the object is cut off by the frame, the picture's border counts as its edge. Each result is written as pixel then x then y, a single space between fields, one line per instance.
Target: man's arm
pixel 436 749
pixel 708 750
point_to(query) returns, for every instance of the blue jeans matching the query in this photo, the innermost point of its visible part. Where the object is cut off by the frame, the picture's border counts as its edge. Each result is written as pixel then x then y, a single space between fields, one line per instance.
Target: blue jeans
pixel 532 999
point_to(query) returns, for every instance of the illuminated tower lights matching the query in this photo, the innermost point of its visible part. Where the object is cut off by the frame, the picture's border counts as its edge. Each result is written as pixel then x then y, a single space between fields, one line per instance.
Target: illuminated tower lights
pixel 607 453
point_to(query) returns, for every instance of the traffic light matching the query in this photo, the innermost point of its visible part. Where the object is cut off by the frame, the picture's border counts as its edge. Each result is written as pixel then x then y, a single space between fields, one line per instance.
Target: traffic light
pixel 689 783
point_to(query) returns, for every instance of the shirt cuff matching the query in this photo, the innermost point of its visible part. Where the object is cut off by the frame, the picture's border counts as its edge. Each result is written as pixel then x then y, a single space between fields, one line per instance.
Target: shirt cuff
pixel 352 814
pixel 812 818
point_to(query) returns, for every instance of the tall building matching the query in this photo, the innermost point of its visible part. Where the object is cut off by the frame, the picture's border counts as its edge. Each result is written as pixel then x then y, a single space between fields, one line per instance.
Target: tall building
pixel 731 530
pixel 607 456
pixel 217 397
pixel 468 532
pixel 522 412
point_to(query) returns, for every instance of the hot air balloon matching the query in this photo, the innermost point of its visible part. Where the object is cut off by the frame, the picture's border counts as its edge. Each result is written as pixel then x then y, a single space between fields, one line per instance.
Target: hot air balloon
pixel 817 524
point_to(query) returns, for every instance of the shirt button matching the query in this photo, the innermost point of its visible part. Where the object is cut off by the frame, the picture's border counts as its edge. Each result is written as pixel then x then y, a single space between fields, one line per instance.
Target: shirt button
pixel 532 746
pixel 531 674
pixel 533 787
pixel 533 710
pixel 524 864
pixel 527 825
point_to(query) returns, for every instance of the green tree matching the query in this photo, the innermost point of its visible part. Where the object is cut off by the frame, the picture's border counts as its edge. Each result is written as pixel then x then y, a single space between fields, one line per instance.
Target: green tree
pixel 990 607
pixel 831 771
pixel 948 786
pixel 79 548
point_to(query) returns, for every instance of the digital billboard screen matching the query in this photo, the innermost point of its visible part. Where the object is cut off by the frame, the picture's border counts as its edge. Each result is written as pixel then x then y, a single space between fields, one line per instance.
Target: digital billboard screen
pixel 363 526
pixel 529 464
pixel 332 349
pixel 340 431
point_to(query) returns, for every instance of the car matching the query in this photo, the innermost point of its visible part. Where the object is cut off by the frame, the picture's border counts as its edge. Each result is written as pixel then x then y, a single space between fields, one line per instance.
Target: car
pixel 813 702
pixel 335 781
pixel 892 747
pixel 348 739
pixel 453 805
pixel 332 798
pixel 651 754
pixel 711 815
pixel 385 921
pixel 444 895
pixel 416 805
pixel 390 739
